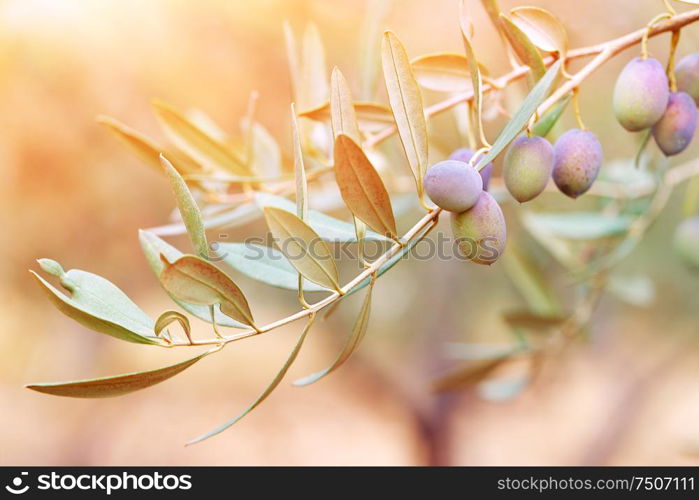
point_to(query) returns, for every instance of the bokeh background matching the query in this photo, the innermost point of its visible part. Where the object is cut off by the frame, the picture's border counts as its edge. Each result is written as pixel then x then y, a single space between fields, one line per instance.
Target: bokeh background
pixel 628 394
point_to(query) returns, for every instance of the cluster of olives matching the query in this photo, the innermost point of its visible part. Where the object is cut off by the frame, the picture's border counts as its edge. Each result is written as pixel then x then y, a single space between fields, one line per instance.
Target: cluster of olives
pixel 643 100
pixel 477 220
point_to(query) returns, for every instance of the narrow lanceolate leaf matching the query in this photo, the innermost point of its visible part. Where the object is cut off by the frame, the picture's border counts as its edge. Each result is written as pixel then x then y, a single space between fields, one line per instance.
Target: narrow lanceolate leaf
pixel 169 317
pixel 153 247
pixel 351 344
pixel 118 385
pixel 544 124
pixel 265 264
pixel 191 216
pixel 476 80
pixel 406 104
pixel 535 97
pixel 292 55
pixel 314 77
pixel 328 228
pixel 444 72
pixel 361 187
pixel 342 116
pixel 269 389
pixel 146 149
pixel 523 47
pixel 543 28
pixel 266 155
pixel 197 281
pixel 371 116
pixel 98 304
pixel 302 246
pixel 196 143
pixel 299 169
pixel 579 225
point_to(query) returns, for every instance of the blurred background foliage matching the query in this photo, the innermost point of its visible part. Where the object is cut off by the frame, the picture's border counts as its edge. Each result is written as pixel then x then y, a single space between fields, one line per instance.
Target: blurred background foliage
pixel 627 394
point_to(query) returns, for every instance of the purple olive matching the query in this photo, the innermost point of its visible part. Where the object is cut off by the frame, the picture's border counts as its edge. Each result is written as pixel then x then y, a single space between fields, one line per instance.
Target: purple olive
pixel 480 232
pixel 453 185
pixel 687 73
pixel 577 160
pixel 675 130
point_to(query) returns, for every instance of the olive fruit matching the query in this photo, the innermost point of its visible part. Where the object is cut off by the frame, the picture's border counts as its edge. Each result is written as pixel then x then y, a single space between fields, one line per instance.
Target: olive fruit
pixel 527 168
pixel 465 155
pixel 674 131
pixel 687 73
pixel 577 160
pixel 641 94
pixel 453 185
pixel 480 231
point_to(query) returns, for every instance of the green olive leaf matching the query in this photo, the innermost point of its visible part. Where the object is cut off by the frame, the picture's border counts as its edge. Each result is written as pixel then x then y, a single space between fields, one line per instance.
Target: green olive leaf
pixel 194 280
pixel 302 246
pixel 406 103
pixel 523 47
pixel 153 247
pixel 328 228
pixel 535 97
pixel 371 116
pixel 188 209
pixel 264 264
pixel 117 385
pixel 353 340
pixel 196 143
pixel 544 124
pixel 361 187
pixel 543 28
pixel 98 304
pixel 169 317
pixel 268 390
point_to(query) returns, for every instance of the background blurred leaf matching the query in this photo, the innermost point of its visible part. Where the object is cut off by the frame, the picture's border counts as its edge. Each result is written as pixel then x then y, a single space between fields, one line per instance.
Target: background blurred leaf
pixel 169 317
pixel 267 157
pixel 444 72
pixel 197 281
pixel 98 304
pixel 302 246
pixel 361 187
pixel 351 344
pixel 153 247
pixel 189 138
pixel 371 116
pixel 342 115
pixel 406 104
pixel 117 385
pixel 637 290
pixel 580 225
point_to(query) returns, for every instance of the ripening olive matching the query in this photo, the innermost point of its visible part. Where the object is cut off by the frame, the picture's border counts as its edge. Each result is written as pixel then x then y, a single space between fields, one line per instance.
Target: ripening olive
pixel 480 231
pixel 674 131
pixel 577 160
pixel 687 73
pixel 465 155
pixel 641 94
pixel 453 185
pixel 527 168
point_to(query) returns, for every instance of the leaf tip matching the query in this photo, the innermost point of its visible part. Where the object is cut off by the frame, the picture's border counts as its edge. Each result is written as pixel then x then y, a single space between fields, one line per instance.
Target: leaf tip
pixel 51 267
